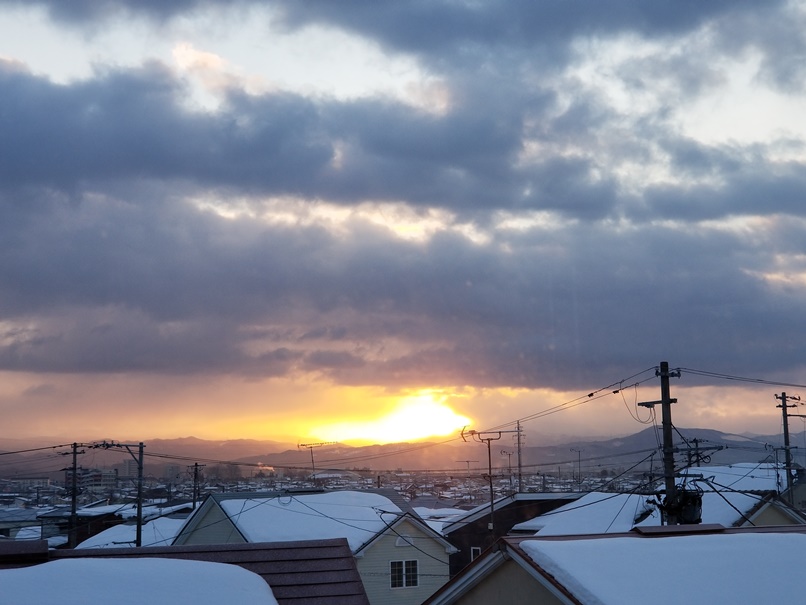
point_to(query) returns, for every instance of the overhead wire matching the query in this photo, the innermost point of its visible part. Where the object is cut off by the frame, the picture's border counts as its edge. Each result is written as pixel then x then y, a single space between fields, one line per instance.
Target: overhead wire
pixel 722 376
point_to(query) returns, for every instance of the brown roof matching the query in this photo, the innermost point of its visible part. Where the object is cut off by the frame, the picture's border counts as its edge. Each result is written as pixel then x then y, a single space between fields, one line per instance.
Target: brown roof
pixel 316 572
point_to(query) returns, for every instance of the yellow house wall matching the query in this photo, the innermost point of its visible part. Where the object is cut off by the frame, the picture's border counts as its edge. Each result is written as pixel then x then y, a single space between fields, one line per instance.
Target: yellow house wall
pixel 771 515
pixel 512 585
pixel 213 528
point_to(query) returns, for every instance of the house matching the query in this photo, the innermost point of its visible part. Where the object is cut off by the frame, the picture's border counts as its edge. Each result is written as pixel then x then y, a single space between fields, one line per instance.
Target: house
pixel 400 559
pixel 314 572
pixel 158 532
pixel 14 519
pixel 470 532
pixel 696 564
pixel 98 519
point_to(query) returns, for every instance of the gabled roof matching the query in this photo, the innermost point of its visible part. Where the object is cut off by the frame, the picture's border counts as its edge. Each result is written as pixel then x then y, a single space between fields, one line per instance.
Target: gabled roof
pixel 312 572
pixel 356 515
pixel 701 564
pixel 395 526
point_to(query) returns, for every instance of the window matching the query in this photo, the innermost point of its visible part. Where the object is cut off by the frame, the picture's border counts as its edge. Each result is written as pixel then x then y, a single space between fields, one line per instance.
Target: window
pixel 475 551
pixel 404 574
pixel 404 540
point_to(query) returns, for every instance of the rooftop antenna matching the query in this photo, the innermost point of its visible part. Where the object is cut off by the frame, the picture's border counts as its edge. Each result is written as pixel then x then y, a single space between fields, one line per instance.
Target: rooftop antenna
pixel 311 447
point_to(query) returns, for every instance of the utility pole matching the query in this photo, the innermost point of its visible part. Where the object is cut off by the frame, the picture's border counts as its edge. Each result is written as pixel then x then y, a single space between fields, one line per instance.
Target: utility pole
pixel 73 536
pixel 311 447
pixel 579 467
pixel 487 438
pixel 670 502
pixel 509 465
pixel 468 465
pixel 139 459
pixel 139 535
pixel 787 449
pixel 520 460
pixel 696 454
pixel 196 482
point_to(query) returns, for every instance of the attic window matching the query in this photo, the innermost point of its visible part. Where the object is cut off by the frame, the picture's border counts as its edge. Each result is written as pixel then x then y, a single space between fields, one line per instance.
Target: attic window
pixel 404 540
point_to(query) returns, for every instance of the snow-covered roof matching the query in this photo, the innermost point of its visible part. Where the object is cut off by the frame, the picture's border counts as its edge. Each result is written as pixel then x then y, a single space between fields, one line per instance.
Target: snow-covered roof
pixel 355 515
pixel 159 532
pixel 129 510
pixel 437 518
pixel 593 513
pixel 484 509
pixel 744 477
pixel 599 513
pixel 133 582
pixel 717 568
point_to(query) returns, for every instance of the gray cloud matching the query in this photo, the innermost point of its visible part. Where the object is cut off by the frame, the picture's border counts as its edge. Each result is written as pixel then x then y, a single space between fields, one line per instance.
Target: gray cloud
pixel 106 265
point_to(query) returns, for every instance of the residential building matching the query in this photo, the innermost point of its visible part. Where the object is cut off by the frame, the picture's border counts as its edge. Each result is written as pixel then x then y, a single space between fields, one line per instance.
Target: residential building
pixel 400 559
pixel 320 572
pixel 697 564
pixel 470 533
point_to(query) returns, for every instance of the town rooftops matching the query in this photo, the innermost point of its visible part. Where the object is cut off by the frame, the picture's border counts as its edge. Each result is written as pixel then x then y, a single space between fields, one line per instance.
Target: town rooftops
pixel 313 572
pixel 697 564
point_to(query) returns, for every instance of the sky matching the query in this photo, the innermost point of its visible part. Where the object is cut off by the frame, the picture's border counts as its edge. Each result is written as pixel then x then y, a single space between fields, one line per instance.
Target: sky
pixel 310 221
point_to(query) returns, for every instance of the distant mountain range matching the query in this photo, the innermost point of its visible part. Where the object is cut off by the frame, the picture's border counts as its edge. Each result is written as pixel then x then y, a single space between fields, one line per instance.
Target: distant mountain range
pixel 615 454
pixel 456 457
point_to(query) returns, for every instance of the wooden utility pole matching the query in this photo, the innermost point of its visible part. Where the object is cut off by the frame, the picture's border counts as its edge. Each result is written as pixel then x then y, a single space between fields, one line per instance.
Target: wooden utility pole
pixel 72 538
pixel 787 449
pixel 196 483
pixel 670 501
pixel 520 460
pixel 139 459
pixel 139 534
pixel 487 438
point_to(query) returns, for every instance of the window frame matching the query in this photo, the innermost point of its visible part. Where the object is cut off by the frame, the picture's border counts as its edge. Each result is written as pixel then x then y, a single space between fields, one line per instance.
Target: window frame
pixel 404 573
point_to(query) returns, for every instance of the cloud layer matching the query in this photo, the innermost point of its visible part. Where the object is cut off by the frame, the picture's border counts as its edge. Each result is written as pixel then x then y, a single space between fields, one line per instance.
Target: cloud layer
pixel 559 218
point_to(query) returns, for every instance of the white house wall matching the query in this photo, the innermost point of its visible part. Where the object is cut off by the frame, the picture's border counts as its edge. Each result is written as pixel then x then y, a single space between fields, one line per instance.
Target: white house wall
pixel 432 563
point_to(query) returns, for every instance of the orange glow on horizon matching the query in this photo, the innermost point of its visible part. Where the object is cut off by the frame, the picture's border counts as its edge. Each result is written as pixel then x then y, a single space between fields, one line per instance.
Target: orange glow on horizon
pixel 414 418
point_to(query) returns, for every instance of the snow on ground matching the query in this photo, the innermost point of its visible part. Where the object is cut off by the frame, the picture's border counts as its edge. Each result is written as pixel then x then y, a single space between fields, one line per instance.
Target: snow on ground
pixel 356 516
pixel 159 532
pixel 728 568
pixel 134 582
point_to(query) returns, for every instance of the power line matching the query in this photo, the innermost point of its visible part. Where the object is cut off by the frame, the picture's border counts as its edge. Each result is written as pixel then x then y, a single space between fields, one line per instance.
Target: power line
pixel 741 378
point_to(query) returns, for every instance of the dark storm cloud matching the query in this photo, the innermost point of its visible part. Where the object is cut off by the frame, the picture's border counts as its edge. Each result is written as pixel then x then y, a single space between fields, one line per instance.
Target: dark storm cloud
pixel 556 309
pixel 129 125
pixel 107 266
pixel 444 28
pixel 446 32
pixel 762 190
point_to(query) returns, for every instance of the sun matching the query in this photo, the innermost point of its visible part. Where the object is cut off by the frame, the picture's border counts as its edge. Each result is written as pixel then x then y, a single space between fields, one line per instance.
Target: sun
pixel 413 418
